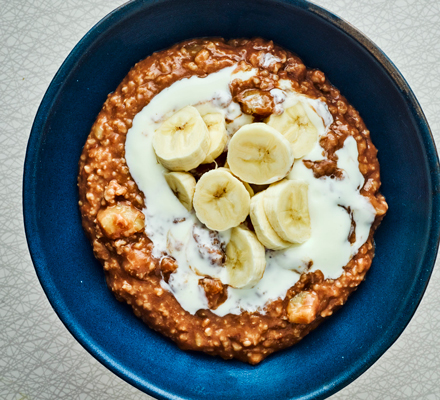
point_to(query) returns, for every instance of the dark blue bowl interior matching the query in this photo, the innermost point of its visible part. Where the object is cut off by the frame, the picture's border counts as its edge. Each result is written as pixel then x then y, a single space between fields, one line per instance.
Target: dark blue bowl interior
pixel 340 349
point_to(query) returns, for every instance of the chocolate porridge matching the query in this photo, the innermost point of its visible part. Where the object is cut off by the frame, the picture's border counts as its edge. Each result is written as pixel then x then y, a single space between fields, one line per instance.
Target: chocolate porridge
pixel 215 243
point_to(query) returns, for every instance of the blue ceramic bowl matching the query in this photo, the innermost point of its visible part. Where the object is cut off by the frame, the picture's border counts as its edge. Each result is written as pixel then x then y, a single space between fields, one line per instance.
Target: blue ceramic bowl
pixel 375 315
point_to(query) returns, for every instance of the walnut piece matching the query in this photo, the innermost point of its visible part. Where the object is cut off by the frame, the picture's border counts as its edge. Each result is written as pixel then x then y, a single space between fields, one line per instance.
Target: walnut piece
pixel 215 291
pixel 302 308
pixel 121 221
pixel 255 101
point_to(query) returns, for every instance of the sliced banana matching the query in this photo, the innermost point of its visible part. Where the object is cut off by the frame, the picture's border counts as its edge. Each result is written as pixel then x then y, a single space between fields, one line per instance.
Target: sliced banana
pixel 245 259
pixel 265 233
pixel 246 185
pixel 287 209
pixel 259 154
pixel 183 184
pixel 182 141
pixel 221 201
pixel 248 188
pixel 215 123
pixel 297 128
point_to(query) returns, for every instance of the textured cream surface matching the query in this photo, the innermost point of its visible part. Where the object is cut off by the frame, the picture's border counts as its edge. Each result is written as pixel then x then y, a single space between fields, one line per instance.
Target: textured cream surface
pixel 39 359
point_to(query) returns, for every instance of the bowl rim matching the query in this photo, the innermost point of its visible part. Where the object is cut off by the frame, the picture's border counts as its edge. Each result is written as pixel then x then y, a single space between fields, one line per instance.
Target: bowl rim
pixel 31 161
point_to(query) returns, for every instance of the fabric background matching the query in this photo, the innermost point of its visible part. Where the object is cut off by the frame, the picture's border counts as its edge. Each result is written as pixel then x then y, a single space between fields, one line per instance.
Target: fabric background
pixel 39 359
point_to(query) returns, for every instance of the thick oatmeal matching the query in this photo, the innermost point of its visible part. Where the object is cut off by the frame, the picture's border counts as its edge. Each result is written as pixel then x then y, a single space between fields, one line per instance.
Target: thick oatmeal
pixel 159 255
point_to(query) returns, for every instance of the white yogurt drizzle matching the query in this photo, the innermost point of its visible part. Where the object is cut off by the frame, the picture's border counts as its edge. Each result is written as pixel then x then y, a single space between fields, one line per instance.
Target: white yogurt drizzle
pixel 328 248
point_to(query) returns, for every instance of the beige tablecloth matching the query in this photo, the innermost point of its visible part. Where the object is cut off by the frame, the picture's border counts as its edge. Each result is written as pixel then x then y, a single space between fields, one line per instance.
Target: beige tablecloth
pixel 39 359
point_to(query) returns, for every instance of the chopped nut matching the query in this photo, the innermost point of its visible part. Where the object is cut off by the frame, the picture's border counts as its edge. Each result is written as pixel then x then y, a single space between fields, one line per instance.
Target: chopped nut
pixel 121 220
pixel 114 189
pixel 255 101
pixel 303 307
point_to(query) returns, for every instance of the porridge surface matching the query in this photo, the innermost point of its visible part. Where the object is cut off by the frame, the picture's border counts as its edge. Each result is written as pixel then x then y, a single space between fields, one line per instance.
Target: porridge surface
pixel 183 292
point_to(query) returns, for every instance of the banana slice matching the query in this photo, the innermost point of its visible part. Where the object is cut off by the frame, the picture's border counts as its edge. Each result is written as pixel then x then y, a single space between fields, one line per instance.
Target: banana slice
pixel 297 128
pixel 265 233
pixel 245 259
pixel 248 188
pixel 182 141
pixel 183 184
pixel 287 209
pixel 221 201
pixel 259 154
pixel 246 185
pixel 215 123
